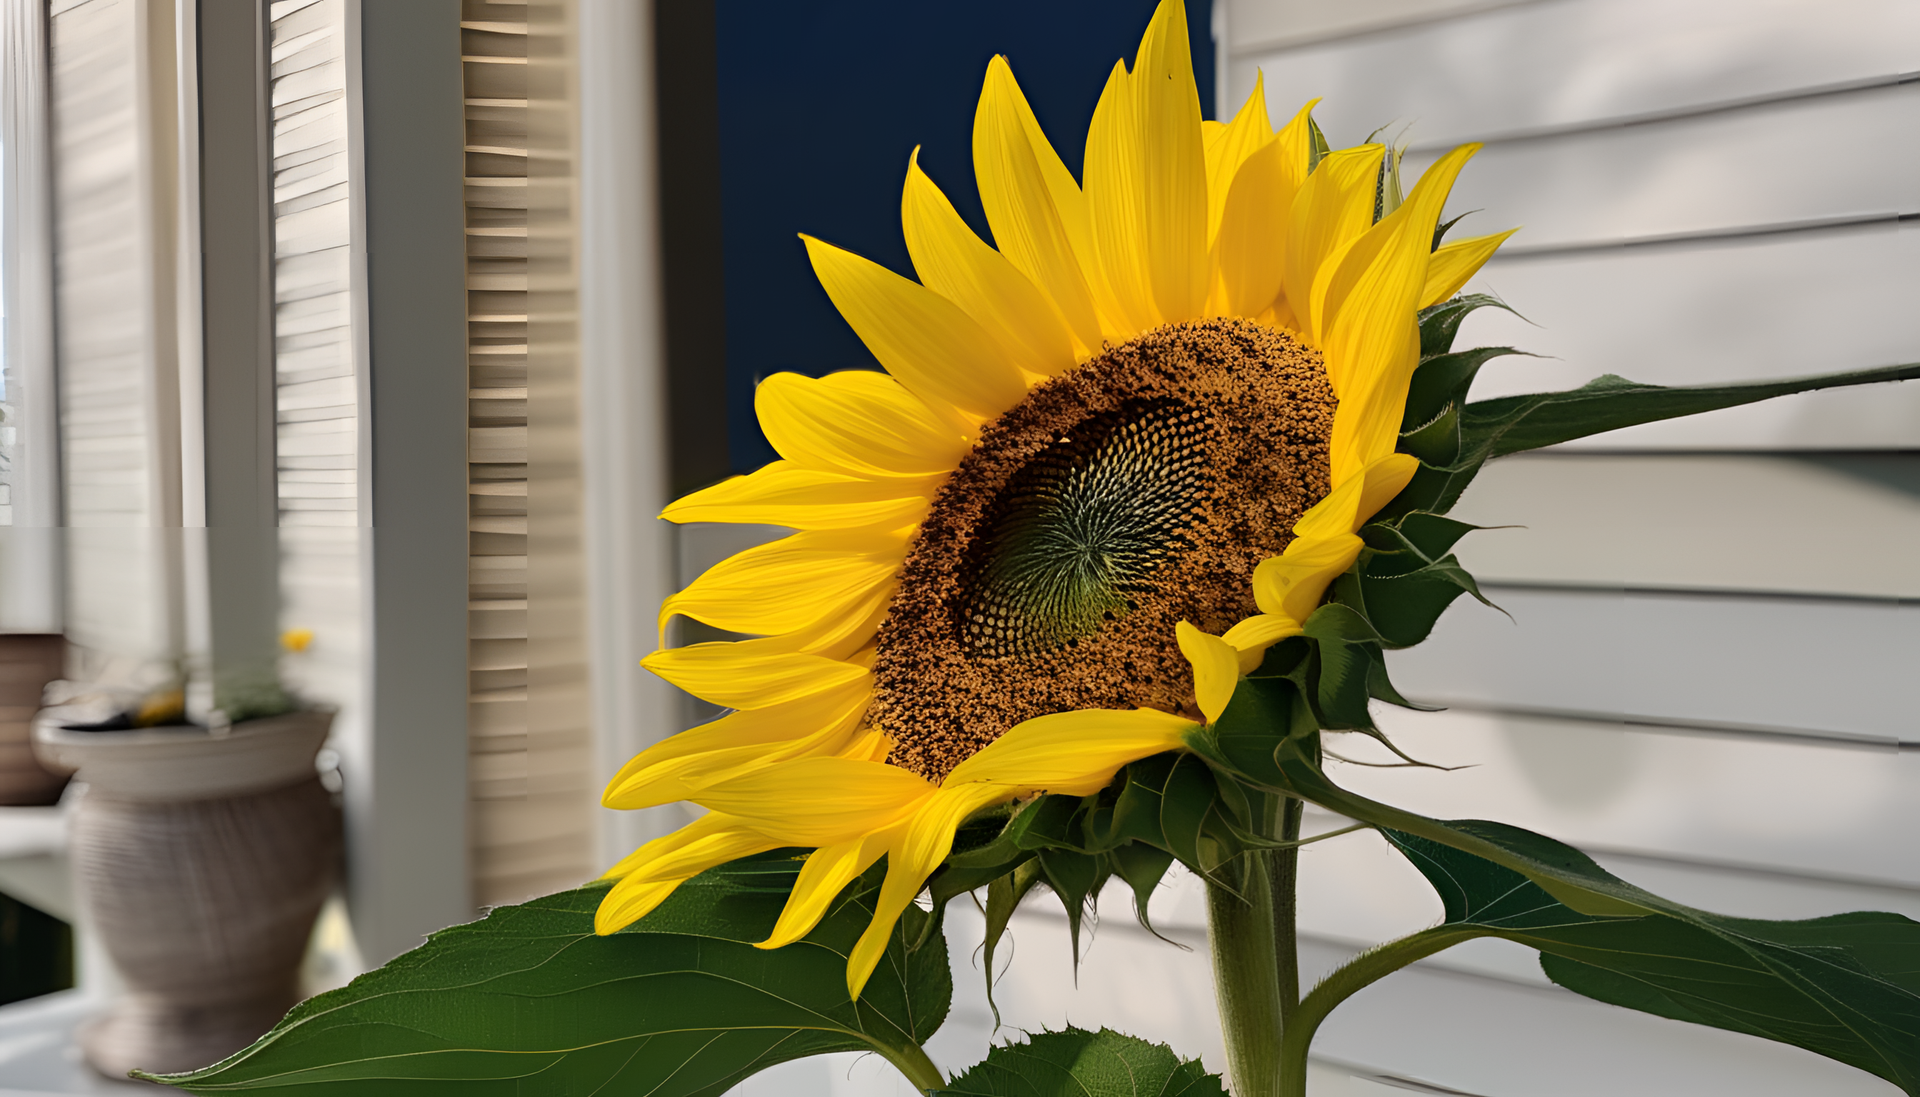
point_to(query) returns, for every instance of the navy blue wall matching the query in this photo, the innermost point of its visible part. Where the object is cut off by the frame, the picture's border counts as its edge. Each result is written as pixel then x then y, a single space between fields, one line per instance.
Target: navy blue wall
pixel 821 102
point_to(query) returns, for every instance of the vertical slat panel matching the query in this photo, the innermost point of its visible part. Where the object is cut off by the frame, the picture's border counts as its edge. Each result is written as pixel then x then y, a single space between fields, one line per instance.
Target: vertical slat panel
pixel 112 152
pixel 532 799
pixel 318 382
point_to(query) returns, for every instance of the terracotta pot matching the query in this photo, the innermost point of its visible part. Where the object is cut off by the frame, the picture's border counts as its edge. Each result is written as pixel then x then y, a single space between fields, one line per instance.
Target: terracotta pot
pixel 202 861
pixel 28 661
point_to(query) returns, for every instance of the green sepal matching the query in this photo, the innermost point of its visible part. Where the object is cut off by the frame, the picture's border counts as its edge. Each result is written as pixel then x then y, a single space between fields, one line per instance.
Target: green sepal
pixel 1347 647
pixel 1404 608
pixel 1317 146
pixel 1440 324
pixel 983 851
pixel 1077 1063
pixel 1076 879
pixel 1443 380
pixel 1437 442
pixel 680 1004
pixel 1003 898
pixel 1845 986
pixel 1440 230
pixel 1411 543
pixel 1143 867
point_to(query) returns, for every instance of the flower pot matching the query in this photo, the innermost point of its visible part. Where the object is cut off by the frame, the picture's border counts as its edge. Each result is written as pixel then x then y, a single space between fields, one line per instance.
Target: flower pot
pixel 28 661
pixel 202 861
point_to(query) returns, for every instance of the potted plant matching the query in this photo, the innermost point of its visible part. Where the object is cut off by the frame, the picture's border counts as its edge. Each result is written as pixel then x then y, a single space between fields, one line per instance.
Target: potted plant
pixel 202 854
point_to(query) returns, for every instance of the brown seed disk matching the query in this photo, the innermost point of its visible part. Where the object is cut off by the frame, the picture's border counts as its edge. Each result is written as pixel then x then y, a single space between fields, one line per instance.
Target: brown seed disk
pixel 1227 419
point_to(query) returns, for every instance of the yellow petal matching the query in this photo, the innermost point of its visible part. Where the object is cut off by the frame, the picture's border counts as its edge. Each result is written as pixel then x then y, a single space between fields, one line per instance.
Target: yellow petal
pixel 818 801
pixel 911 859
pixel 1347 507
pixel 1175 167
pixel 1334 206
pixel 1383 478
pixel 827 872
pixel 921 338
pixel 789 584
pixel 1251 250
pixel 954 263
pixel 1072 753
pixel 784 494
pixel 1252 637
pixel 1229 146
pixel 1034 207
pixel 1370 336
pixel 730 677
pixel 651 873
pixel 675 768
pixel 1116 204
pixel 869 745
pixel 1296 146
pixel 857 423
pixel 1449 268
pixel 1290 585
pixel 1216 668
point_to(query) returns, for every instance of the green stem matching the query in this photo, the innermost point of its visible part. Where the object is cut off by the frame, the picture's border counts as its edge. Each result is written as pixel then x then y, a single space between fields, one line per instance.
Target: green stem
pixel 1362 971
pixel 911 1060
pixel 1256 962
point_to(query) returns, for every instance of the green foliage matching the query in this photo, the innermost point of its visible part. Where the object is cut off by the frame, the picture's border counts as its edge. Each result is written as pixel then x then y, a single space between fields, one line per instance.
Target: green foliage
pixel 1846 986
pixel 1077 1063
pixel 677 1005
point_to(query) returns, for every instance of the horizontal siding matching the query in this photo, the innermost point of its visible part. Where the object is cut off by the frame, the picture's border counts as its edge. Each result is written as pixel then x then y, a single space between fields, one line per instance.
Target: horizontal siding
pixel 1844 525
pixel 1555 64
pixel 1812 811
pixel 1700 174
pixel 1824 667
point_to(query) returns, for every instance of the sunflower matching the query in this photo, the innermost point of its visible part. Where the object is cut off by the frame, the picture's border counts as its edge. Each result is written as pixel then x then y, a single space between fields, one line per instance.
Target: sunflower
pixel 1109 464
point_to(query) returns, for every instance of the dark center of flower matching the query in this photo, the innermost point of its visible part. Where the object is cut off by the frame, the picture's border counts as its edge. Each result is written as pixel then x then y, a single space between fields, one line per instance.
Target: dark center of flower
pixel 1079 532
pixel 1138 490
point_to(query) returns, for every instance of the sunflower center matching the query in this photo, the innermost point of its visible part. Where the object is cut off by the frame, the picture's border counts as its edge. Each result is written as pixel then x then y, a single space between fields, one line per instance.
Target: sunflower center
pixel 1138 490
pixel 1080 531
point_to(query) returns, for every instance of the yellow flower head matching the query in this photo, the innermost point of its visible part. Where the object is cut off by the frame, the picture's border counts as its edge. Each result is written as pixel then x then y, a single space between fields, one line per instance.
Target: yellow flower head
pixel 1110 462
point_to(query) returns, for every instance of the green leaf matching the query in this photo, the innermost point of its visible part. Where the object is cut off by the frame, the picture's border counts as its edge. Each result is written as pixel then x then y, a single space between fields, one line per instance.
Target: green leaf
pixel 680 1004
pixel 1511 424
pixel 1843 986
pixel 1077 1063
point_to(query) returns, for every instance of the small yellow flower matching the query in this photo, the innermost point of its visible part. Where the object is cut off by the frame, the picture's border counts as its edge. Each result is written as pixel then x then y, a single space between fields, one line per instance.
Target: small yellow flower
pixel 296 639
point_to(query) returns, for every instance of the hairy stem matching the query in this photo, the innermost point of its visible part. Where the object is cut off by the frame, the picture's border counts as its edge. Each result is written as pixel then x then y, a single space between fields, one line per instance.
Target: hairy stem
pixel 1256 963
pixel 911 1060
pixel 1362 971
